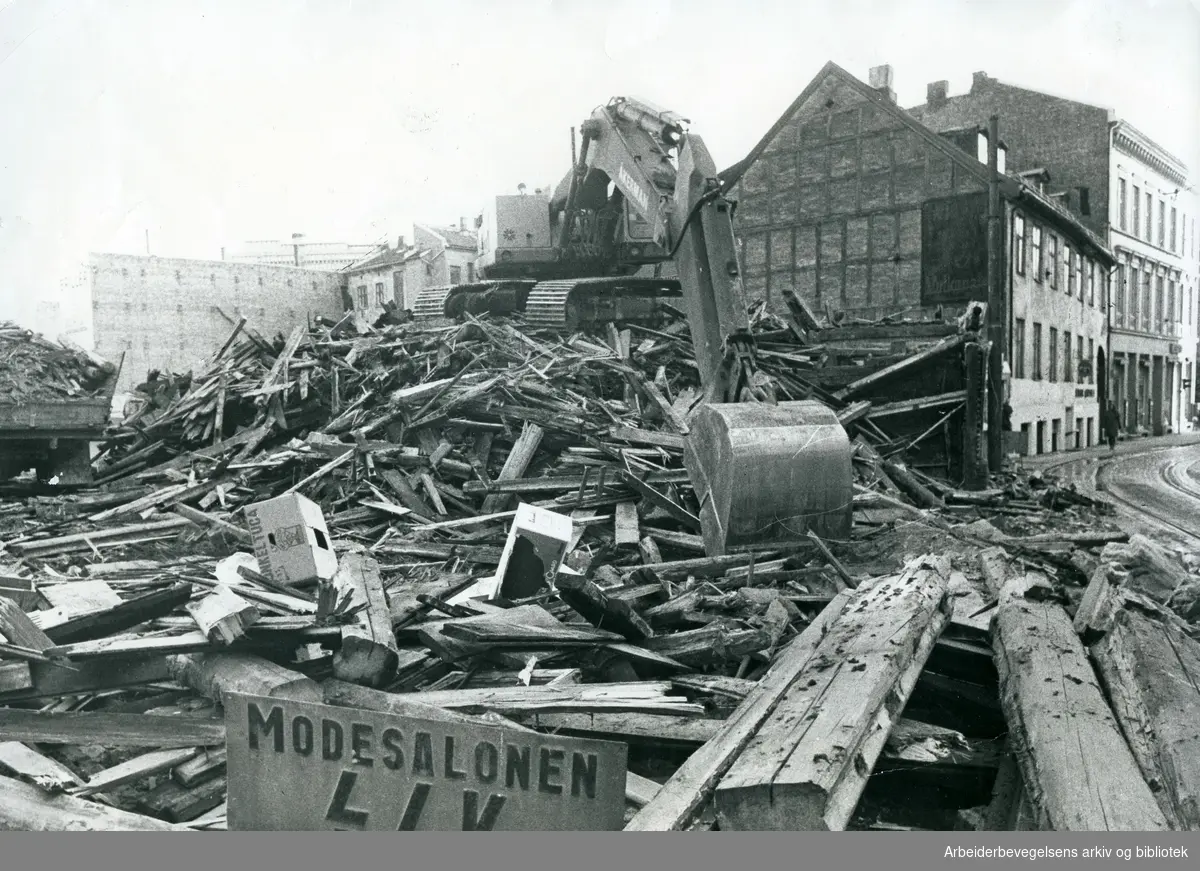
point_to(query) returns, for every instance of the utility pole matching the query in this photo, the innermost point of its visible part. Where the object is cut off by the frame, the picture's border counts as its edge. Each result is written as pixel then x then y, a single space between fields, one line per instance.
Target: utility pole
pixel 147 240
pixel 997 310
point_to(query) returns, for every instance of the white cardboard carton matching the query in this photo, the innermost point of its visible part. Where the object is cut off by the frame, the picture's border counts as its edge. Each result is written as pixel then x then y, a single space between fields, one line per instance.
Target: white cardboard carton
pixel 291 540
pixel 537 544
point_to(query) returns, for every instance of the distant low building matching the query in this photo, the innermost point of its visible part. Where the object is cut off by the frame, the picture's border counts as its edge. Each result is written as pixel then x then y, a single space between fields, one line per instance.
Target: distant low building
pixel 452 252
pixel 167 313
pixel 390 274
pixel 324 256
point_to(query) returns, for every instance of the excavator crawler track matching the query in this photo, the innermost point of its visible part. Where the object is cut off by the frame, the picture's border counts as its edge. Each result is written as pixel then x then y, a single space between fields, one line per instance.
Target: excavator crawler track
pixel 588 302
pixel 430 303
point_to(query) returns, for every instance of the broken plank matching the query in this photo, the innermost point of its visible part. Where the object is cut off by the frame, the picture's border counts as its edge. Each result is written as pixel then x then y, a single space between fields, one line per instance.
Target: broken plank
pixel 132 770
pixel 207 764
pixel 600 610
pixel 26 808
pixel 215 674
pixel 350 695
pixel 811 779
pixel 625 525
pixel 178 804
pixel 368 654
pixel 631 728
pixel 46 773
pixel 17 628
pixel 518 461
pixel 692 784
pixel 671 441
pixel 223 616
pixel 947 344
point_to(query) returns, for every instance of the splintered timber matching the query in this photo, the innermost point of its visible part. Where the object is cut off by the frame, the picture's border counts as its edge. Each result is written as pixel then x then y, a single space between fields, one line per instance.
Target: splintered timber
pixel 380 771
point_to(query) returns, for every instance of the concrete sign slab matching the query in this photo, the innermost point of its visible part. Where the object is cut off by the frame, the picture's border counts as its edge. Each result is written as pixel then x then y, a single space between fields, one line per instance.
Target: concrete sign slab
pixel 299 766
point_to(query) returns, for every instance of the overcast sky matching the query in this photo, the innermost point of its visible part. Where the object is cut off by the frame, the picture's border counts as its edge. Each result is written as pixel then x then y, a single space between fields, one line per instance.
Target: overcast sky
pixel 210 123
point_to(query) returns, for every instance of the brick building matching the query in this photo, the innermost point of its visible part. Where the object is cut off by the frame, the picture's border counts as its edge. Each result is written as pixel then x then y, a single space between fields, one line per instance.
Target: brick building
pixel 397 274
pixel 173 314
pixel 858 208
pixel 452 252
pixel 1131 192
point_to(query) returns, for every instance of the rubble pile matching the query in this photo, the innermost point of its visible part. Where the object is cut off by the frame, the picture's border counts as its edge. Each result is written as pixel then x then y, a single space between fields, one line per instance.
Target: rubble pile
pixel 34 369
pixel 128 610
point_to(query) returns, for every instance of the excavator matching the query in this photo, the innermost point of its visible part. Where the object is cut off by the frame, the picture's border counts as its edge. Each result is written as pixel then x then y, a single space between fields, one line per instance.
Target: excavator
pixel 642 193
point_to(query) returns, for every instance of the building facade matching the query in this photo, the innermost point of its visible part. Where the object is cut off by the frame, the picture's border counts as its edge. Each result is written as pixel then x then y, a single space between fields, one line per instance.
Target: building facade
pixel 326 256
pixel 393 274
pixel 859 209
pixel 1131 192
pixel 173 314
pixel 451 252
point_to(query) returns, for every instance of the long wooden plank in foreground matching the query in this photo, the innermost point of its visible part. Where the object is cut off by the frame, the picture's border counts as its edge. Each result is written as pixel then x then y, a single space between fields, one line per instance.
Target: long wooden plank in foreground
pixel 808 764
pixel 691 786
pixel 1079 772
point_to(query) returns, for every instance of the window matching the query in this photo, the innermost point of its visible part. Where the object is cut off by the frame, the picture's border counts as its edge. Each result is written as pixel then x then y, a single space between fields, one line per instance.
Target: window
pixel 1147 312
pixel 1091 282
pixel 1067 376
pixel 362 296
pixel 379 293
pixel 1149 217
pixel 1162 313
pixel 1036 244
pixel 1137 211
pixel 1053 354
pixel 1132 296
pixel 1122 206
pixel 1079 355
pixel 1091 361
pixel 1019 242
pixel 1162 224
pixel 1188 305
pixel 1037 352
pixel 470 272
pixel 456 275
pixel 1052 244
pixel 1173 227
pixel 1019 349
pixel 1069 257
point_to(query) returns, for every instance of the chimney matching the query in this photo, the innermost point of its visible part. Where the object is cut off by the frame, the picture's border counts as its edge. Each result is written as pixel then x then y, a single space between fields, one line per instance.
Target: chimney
pixel 400 244
pixel 979 81
pixel 935 94
pixel 881 80
pixel 462 225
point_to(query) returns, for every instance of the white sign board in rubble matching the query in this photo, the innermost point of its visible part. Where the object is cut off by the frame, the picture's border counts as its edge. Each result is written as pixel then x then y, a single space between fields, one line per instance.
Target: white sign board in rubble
pixel 300 766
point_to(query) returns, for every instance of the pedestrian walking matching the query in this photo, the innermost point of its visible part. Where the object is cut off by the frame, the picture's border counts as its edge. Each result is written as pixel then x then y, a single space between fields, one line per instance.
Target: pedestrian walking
pixel 1112 426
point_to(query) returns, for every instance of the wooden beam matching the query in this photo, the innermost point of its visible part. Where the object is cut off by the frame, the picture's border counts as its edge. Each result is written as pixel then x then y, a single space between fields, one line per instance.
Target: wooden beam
pixel 692 784
pixel 113 730
pixel 215 674
pixel 1078 770
pixel 810 779
pixel 947 344
pixel 522 454
pixel 368 654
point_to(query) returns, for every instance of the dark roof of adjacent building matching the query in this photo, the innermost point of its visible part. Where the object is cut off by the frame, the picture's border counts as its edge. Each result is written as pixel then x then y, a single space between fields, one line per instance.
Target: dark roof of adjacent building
pixel 1011 188
pixel 454 236
pixel 382 259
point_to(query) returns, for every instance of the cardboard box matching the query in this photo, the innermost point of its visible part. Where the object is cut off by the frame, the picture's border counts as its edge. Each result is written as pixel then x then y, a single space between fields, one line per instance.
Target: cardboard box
pixel 291 540
pixel 537 544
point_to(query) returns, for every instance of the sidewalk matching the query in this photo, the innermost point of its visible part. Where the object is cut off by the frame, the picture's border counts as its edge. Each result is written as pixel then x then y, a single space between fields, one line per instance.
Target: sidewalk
pixel 1131 446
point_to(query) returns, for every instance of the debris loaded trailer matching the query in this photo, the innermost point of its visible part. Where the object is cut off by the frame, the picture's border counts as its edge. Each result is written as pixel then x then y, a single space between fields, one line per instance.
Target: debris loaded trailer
pixel 937 667
pixel 55 400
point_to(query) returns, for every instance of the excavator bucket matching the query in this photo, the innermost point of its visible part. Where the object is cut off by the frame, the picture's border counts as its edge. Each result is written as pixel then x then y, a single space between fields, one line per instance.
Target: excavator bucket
pixel 767 474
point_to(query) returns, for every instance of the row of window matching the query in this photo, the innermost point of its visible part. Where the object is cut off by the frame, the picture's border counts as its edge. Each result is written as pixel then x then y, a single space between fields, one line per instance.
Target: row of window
pixel 1076 361
pixel 1147 222
pixel 380 298
pixel 1149 301
pixel 1048 257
